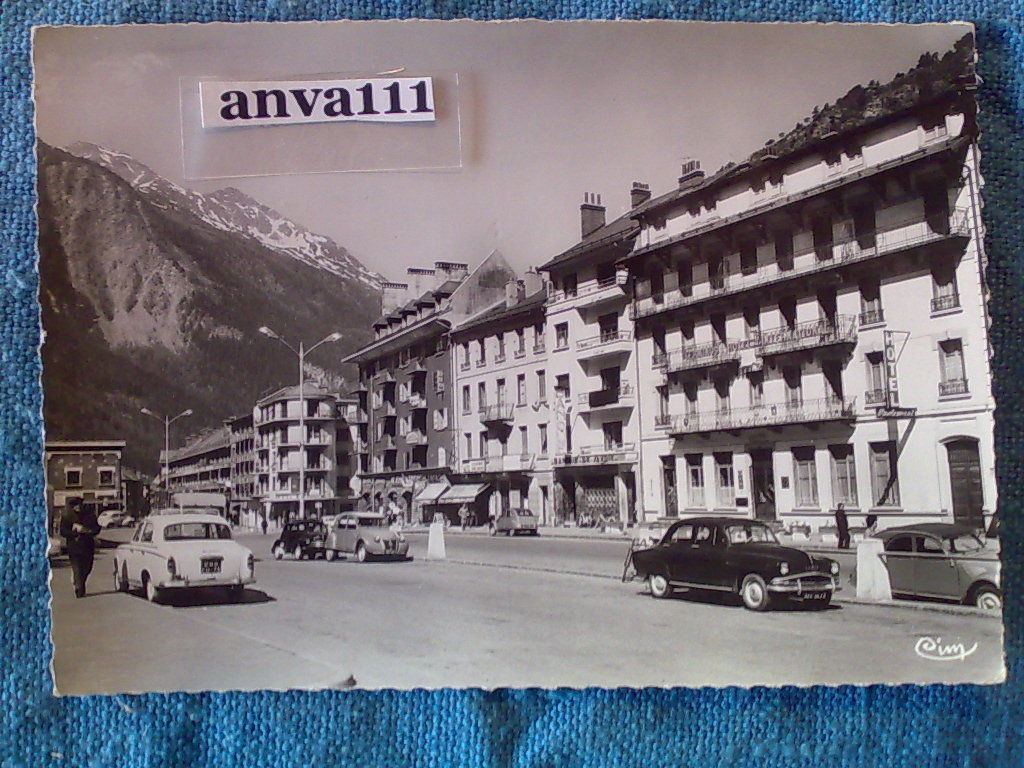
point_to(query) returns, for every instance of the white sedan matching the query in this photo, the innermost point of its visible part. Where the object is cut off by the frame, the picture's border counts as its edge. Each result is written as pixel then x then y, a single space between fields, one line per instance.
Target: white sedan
pixel 183 551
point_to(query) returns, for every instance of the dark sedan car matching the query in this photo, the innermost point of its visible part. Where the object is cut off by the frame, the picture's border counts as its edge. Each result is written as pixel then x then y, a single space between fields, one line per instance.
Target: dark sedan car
pixel 300 538
pixel 743 557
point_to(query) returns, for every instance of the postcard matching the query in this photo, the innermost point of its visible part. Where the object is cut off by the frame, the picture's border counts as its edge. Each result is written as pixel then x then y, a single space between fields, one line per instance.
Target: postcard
pixel 462 354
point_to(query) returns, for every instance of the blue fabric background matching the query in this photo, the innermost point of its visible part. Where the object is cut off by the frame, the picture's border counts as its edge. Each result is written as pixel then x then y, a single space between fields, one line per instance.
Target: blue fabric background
pixel 906 726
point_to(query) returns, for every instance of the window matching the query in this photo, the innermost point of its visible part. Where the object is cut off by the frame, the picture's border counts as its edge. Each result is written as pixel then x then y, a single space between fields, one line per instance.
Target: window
pixel 521 389
pixel 562 336
pixel 503 445
pixel 483 444
pixel 748 258
pixel 469 445
pixel 482 349
pixel 805 476
pixel 695 479
pixel 608 326
pixel 612 435
pixel 885 487
pixel 538 338
pixel 658 339
pixel 520 342
pixel 944 290
pixel 821 232
pixel 871 303
pixel 562 385
pixel 481 395
pixel 524 441
pixel 787 308
pixel 690 390
pixel 953 377
pixel 501 348
pixel 465 399
pixel 864 224
pixel 756 380
pixel 722 394
pixel 106 476
pixel 752 321
pixel 569 285
pixel 784 249
pixel 832 370
pixel 718 328
pixel 542 386
pixel 875 378
pixel 73 477
pixel 717 270
pixel 684 273
pixel 501 392
pixel 725 479
pixel 543 429
pixel 794 386
pixel 662 403
pixel 844 474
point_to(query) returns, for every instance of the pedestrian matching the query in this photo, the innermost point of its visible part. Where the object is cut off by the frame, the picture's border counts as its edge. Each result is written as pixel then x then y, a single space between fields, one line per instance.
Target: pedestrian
pixel 79 527
pixel 871 525
pixel 464 516
pixel 263 523
pixel 842 526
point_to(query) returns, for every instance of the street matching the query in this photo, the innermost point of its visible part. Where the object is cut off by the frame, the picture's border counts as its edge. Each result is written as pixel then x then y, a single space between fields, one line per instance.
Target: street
pixel 553 613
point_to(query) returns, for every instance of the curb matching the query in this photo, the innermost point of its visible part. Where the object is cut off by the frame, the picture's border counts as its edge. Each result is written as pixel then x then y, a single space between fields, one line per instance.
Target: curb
pixel 543 535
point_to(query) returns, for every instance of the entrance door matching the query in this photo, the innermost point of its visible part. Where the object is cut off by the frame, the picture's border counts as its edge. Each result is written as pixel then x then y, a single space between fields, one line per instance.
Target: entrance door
pixel 763 482
pixel 668 480
pixel 965 481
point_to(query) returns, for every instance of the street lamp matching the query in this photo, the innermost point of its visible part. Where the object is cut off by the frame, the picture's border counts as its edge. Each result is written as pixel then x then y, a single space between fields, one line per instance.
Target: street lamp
pixel 301 352
pixel 167 420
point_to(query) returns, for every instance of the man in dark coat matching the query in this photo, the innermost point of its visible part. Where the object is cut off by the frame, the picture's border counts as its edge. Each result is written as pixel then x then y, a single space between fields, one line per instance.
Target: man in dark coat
pixel 842 526
pixel 79 527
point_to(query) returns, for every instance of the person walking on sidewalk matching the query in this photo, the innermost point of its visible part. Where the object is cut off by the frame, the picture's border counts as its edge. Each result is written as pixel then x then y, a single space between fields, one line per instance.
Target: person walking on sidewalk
pixel 464 516
pixel 842 526
pixel 79 527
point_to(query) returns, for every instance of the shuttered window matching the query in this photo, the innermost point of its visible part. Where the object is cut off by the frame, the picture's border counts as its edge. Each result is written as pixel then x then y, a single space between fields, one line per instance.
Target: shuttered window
pixel 806 476
pixel 885 488
pixel 844 474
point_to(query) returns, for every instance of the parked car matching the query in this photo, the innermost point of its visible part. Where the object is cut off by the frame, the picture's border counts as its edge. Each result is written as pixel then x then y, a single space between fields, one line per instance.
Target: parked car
pixel 942 561
pixel 185 551
pixel 515 521
pixel 738 556
pixel 115 518
pixel 367 535
pixel 300 539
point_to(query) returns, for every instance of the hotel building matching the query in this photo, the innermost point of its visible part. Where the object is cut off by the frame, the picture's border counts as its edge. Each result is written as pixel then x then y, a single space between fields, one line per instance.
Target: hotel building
pixel 501 411
pixel 811 325
pixel 202 465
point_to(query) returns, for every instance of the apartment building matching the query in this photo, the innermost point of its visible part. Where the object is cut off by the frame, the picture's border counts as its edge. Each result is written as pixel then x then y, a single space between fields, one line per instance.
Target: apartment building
pixel 242 499
pixel 501 411
pixel 592 370
pixel 405 436
pixel 296 452
pixel 811 326
pixel 202 465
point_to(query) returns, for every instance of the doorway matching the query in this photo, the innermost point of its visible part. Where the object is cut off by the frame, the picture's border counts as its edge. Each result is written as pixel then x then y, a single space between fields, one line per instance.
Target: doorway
pixel 762 480
pixel 668 480
pixel 965 482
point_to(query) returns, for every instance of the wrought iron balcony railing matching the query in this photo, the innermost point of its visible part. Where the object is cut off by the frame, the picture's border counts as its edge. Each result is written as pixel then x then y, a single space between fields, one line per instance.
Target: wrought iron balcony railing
pixel 814 333
pixel 608 397
pixel 953 387
pixel 496 412
pixel 605 340
pixel 771 414
pixel 872 316
pixel 942 303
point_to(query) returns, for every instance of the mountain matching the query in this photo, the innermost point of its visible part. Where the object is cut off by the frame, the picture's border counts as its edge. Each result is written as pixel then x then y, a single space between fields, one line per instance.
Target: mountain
pixel 231 210
pixel 151 302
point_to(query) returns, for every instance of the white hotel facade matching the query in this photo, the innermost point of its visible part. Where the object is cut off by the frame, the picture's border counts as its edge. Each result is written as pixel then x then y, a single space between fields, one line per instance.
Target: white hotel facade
pixel 764 299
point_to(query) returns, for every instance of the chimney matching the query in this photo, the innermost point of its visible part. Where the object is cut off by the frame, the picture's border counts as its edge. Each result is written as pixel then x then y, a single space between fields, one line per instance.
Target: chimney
pixel 532 282
pixel 451 270
pixel 420 281
pixel 591 214
pixel 515 291
pixel 639 194
pixel 690 172
pixel 393 295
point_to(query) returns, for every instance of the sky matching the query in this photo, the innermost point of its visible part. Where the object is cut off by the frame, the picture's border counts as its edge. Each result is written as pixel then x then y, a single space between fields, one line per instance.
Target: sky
pixel 549 110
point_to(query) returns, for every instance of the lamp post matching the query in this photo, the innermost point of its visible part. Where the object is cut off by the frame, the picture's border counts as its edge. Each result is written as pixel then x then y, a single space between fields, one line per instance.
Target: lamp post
pixel 301 352
pixel 167 420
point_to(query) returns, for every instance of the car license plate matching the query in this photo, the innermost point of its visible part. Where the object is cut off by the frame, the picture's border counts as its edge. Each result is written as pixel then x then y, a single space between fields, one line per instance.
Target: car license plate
pixel 211 566
pixel 814 595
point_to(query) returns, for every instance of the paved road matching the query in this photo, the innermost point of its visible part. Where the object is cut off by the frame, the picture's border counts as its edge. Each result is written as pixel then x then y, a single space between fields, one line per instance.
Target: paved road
pixel 435 624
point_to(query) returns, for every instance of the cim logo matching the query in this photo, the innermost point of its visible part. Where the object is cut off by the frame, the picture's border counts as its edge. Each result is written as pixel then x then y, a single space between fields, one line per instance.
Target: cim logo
pixel 933 649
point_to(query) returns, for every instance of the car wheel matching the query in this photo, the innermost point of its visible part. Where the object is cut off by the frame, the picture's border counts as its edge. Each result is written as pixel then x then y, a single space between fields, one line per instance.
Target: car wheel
pixel 988 598
pixel 329 555
pixel 659 585
pixel 361 554
pixel 278 551
pixel 754 593
pixel 297 554
pixel 121 577
pixel 150 589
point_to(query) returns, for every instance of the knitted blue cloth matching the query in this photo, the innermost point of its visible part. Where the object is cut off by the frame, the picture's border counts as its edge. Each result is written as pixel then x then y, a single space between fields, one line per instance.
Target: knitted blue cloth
pixel 886 727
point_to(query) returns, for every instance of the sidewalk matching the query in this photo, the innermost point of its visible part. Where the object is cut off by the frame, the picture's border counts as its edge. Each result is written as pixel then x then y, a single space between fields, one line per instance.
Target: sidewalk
pixel 549 531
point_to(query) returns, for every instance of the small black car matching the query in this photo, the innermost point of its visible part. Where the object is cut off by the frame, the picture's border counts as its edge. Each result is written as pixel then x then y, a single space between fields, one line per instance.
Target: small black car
pixel 725 554
pixel 301 538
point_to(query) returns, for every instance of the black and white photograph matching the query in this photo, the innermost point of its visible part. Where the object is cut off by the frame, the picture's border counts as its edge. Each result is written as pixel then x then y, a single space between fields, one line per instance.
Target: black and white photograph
pixel 468 354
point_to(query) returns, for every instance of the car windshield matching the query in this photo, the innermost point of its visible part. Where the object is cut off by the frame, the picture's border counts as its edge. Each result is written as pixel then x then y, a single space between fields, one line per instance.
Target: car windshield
pixel 524 513
pixel 371 522
pixel 967 542
pixel 744 533
pixel 182 531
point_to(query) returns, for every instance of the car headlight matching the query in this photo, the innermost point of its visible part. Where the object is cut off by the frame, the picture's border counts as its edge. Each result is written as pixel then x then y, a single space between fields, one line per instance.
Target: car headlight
pixel 834 567
pixel 377 539
pixel 784 569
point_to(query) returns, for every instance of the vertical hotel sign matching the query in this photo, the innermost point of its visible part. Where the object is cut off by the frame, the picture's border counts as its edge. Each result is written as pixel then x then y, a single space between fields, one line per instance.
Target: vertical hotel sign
pixel 892 384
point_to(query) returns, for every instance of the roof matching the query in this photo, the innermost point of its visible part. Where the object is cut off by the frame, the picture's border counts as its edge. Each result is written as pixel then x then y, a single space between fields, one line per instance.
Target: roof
pixel 501 311
pixel 309 391
pixel 447 288
pixel 210 440
pixel 65 445
pixel 423 328
pixel 616 231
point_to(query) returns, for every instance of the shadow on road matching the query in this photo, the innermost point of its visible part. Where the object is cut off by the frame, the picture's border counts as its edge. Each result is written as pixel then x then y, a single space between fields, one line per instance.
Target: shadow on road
pixel 202 598
pixel 733 601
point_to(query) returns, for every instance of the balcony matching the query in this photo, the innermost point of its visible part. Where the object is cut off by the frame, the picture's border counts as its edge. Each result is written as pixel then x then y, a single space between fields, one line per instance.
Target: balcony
pixel 610 398
pixel 415 438
pixel 387 443
pixel 415 366
pixel 953 387
pixel 464 365
pixel 385 377
pixel 417 401
pixel 946 303
pixel 695 356
pixel 911 234
pixel 498 413
pixel 591 293
pixel 513 462
pixel 809 335
pixel 765 415
pixel 387 410
pixel 605 344
pixel 872 317
pixel 624 453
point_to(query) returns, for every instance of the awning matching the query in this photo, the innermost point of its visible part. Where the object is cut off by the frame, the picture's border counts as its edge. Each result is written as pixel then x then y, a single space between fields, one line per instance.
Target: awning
pixel 463 493
pixel 430 493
